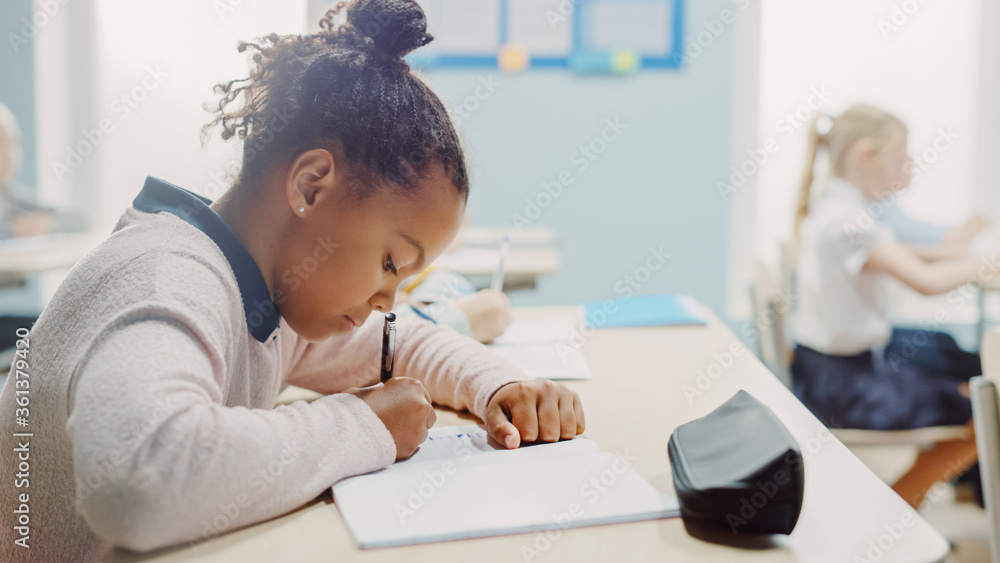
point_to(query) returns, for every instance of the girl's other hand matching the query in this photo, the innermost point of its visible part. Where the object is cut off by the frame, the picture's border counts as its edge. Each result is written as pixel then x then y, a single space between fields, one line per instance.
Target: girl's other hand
pixel 489 313
pixel 404 407
pixel 540 410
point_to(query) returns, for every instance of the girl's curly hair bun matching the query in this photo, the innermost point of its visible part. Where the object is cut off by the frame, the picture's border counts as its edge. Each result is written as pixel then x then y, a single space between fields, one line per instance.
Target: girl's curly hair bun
pixel 347 84
pixel 385 29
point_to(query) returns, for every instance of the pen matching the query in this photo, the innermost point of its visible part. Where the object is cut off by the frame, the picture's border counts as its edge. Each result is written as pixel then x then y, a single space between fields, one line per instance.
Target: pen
pixel 388 346
pixel 497 284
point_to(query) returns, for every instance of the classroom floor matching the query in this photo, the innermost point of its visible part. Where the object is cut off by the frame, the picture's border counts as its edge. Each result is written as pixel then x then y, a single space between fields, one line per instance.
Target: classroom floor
pixel 964 524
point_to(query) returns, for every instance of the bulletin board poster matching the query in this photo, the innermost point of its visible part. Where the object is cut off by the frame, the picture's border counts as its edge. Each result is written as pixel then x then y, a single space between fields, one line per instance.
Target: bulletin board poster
pixel 617 36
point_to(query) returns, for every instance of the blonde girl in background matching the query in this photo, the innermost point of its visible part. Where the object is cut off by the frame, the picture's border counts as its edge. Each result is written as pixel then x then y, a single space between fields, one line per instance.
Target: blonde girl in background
pixel 851 367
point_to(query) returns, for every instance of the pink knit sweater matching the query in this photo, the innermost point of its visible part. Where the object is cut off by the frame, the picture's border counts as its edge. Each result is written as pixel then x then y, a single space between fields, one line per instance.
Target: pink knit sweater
pixel 151 402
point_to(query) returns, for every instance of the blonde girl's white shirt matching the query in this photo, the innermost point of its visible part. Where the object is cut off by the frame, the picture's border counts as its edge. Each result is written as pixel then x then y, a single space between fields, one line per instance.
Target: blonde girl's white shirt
pixel 841 308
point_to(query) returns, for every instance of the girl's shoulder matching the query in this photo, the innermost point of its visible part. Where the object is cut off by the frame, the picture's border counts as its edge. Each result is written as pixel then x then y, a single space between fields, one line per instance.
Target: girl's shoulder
pixel 159 256
pixel 151 267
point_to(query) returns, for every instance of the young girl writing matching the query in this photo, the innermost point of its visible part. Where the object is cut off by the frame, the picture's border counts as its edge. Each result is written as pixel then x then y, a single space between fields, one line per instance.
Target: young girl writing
pixel 851 367
pixel 152 372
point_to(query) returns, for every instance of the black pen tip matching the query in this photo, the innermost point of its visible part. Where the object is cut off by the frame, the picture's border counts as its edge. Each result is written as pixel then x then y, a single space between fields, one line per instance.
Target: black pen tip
pixel 391 317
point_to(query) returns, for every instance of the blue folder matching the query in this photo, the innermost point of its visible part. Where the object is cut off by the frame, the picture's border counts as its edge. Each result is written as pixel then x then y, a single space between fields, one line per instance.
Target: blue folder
pixel 646 310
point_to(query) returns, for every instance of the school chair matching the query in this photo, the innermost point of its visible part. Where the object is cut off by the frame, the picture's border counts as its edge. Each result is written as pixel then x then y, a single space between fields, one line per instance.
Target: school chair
pixel 986 416
pixel 771 305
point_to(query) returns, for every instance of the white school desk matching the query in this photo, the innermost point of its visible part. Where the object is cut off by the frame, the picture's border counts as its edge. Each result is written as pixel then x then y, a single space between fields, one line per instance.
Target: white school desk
pixel 30 255
pixel 521 269
pixel 50 256
pixel 633 402
pixel 487 237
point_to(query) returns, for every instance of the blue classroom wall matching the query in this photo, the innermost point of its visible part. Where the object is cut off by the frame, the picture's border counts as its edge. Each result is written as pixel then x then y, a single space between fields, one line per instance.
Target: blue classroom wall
pixel 654 186
pixel 17 91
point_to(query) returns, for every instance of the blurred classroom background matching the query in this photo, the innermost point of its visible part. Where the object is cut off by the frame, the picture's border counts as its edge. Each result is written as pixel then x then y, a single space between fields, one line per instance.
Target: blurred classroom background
pixel 660 142
pixel 681 171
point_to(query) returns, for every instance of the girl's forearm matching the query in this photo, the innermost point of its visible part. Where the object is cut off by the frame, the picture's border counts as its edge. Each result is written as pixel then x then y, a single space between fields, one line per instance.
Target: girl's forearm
pixel 946 275
pixel 931 278
pixel 938 252
pixel 186 457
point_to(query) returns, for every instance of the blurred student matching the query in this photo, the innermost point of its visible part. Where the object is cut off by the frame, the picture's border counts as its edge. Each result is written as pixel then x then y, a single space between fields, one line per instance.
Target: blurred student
pixel 851 367
pixel 160 357
pixel 449 298
pixel 20 213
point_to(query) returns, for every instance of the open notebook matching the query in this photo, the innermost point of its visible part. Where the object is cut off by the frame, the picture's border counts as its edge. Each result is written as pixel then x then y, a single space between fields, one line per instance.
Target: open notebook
pixel 543 348
pixel 459 485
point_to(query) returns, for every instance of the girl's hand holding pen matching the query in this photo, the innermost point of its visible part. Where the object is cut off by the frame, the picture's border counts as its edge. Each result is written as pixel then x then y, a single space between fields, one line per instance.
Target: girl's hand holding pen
pixel 527 411
pixel 404 406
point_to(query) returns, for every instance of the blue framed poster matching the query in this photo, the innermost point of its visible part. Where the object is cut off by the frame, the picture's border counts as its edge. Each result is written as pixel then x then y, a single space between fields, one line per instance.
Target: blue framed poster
pixel 581 35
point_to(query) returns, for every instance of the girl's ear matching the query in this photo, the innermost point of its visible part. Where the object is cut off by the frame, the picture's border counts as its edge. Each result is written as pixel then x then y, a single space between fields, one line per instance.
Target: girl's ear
pixel 863 151
pixel 311 178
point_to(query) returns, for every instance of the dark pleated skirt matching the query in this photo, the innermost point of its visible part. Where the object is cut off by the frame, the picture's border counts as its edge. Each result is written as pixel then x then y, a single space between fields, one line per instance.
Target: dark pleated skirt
pixel 912 384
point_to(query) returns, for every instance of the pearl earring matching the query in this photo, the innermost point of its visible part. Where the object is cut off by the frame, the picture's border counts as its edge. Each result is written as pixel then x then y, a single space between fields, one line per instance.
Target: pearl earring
pixel 302 210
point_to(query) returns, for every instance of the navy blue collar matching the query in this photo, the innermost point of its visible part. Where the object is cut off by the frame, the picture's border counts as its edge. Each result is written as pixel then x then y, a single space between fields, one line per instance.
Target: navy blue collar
pixel 261 312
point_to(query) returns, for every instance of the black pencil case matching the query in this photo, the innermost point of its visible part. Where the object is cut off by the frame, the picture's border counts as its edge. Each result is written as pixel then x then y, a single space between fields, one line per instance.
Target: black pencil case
pixel 738 469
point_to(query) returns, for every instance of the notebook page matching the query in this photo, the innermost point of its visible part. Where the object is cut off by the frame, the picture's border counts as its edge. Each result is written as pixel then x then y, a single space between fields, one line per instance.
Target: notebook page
pixel 534 331
pixel 547 361
pixel 427 504
pixel 470 444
